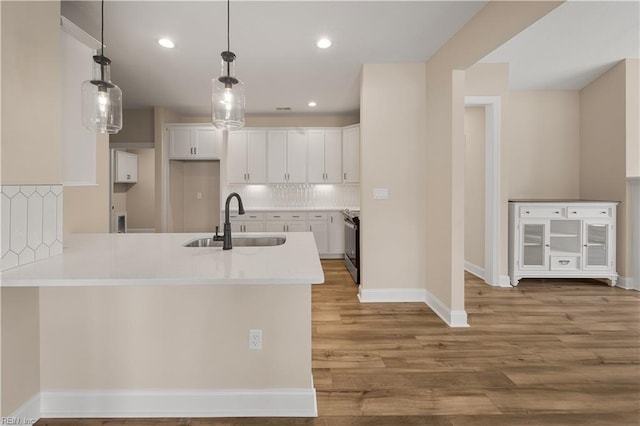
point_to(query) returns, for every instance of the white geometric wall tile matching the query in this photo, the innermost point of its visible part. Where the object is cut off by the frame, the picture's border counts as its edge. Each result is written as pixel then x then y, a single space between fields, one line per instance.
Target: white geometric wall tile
pixel 30 223
pixel 34 220
pixel 56 248
pixel 5 205
pixel 49 213
pixel 27 256
pixel 9 260
pixel 18 223
pixel 42 252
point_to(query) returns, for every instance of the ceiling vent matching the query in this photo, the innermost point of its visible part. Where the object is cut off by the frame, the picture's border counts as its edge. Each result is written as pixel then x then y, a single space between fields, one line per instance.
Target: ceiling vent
pixel 283 108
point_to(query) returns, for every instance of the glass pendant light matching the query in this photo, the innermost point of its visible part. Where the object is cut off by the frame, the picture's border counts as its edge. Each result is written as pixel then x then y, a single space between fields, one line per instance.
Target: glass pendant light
pixel 101 99
pixel 227 99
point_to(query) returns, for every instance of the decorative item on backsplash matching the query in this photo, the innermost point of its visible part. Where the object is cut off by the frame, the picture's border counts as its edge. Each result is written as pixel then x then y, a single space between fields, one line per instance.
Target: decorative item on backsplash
pixel 31 223
pixel 297 195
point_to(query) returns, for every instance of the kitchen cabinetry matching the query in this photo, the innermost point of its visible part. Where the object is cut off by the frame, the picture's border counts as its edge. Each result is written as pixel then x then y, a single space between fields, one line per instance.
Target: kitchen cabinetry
pixel 193 142
pixel 319 226
pixel 246 156
pixel 325 156
pixel 287 156
pixel 286 222
pixel 126 167
pixel 562 239
pixel 351 154
pixel 249 222
pixel 335 234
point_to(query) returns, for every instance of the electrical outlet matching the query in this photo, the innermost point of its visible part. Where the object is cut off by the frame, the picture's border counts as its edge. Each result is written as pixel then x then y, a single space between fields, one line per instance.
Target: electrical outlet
pixel 255 339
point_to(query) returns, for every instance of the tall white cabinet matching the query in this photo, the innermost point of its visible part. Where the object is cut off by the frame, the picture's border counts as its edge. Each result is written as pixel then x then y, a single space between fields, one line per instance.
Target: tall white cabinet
pixel 562 239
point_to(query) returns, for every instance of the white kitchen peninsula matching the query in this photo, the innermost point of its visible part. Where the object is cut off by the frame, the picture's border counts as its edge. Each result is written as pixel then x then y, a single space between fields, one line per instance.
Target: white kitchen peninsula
pixel 136 325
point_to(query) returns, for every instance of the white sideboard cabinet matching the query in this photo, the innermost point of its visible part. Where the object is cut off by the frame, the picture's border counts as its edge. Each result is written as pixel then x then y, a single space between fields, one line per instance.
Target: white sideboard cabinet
pixel 562 239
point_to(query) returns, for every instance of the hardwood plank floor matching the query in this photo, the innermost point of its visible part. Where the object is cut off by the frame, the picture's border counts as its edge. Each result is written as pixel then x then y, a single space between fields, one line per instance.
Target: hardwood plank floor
pixel 548 352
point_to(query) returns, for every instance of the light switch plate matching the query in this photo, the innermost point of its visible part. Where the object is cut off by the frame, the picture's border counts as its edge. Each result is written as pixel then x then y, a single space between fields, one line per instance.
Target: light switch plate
pixel 380 193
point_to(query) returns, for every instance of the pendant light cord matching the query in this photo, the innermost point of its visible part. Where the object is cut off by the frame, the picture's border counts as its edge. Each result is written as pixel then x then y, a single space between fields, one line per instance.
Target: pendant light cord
pixel 228 24
pixel 102 42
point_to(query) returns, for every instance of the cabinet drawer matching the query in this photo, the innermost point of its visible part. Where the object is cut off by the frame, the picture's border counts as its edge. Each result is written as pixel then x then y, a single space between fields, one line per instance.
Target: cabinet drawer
pixel 542 211
pixel 247 216
pixel 589 212
pixel 559 263
pixel 318 216
pixel 285 216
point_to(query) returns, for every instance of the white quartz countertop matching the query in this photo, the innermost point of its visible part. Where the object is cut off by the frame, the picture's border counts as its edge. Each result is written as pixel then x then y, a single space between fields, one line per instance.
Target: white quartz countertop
pixel 293 209
pixel 161 259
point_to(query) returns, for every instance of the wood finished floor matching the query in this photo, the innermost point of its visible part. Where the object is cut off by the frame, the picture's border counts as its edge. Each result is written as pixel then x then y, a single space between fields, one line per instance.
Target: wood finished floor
pixel 549 352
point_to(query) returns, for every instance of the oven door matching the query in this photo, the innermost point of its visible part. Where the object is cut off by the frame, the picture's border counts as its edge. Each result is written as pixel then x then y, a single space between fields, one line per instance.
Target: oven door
pixel 351 249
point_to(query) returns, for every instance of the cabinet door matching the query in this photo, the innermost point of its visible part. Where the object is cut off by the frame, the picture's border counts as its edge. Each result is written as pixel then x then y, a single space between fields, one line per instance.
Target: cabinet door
pixel 336 233
pixel 237 226
pixel 206 143
pixel 237 157
pixel 297 226
pixel 316 154
pixel 276 156
pixel 533 244
pixel 596 245
pixel 126 167
pixel 254 226
pixel 276 226
pixel 321 234
pixel 180 143
pixel 333 156
pixel 256 156
pixel 297 156
pixel 351 155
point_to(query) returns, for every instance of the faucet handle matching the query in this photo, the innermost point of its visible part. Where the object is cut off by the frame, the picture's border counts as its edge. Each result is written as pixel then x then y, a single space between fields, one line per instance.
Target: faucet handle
pixel 217 230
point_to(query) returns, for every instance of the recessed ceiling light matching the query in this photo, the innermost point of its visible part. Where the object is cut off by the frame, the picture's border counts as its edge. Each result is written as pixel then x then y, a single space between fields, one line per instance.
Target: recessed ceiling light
pixel 165 42
pixel 312 104
pixel 323 43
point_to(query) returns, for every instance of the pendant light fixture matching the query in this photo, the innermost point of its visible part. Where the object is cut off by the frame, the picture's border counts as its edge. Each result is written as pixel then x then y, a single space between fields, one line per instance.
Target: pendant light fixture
pixel 101 99
pixel 227 99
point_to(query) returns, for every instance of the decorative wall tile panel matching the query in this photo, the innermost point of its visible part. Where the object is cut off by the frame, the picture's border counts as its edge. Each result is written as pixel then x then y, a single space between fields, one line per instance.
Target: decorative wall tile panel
pixel 31 223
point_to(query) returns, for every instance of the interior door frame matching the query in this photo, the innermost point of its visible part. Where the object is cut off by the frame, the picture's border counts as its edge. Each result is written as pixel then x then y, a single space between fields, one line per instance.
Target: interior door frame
pixel 491 105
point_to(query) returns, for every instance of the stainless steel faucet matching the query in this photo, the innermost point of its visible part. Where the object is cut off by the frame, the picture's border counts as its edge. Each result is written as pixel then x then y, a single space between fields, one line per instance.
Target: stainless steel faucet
pixel 227 223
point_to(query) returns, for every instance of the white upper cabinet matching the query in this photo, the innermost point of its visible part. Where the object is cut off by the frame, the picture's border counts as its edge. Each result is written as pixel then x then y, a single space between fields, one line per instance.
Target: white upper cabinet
pixel 246 156
pixel 126 167
pixel 351 154
pixel 287 156
pixel 193 142
pixel 325 156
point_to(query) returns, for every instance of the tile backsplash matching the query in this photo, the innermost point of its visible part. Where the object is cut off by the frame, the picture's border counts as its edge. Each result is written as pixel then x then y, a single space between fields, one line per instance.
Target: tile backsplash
pixel 296 195
pixel 31 219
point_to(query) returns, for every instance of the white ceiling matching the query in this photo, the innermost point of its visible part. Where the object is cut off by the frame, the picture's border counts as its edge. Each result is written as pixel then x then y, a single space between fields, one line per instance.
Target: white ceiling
pixel 571 46
pixel 281 66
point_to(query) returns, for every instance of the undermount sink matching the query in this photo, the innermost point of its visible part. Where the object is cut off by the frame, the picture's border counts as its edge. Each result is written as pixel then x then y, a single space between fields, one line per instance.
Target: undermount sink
pixel 238 242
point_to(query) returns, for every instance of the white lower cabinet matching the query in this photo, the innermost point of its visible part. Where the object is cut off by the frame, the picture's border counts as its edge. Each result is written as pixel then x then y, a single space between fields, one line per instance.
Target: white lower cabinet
pixel 249 222
pixel 562 240
pixel 336 234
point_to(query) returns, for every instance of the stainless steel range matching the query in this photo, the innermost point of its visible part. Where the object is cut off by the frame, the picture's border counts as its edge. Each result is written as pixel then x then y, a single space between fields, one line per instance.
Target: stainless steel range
pixel 352 242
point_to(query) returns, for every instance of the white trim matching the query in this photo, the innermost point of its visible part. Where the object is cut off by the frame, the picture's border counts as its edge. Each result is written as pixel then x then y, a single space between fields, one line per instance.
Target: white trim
pixel 474 269
pixel 493 118
pixel 452 318
pixel 78 33
pixel 505 281
pixel 380 295
pixel 30 410
pixel 180 403
pixel 628 283
pixel 633 282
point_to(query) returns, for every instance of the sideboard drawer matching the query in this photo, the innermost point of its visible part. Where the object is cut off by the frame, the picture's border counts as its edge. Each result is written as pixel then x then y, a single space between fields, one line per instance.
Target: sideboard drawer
pixel 564 263
pixel 589 212
pixel 544 212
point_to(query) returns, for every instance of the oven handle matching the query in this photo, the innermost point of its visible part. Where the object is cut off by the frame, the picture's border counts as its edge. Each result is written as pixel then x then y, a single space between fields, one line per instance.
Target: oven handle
pixel 350 225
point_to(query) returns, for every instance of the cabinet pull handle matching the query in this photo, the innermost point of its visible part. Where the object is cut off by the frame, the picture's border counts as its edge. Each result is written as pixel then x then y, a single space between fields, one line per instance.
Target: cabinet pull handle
pixel 286 228
pixel 563 262
pixel 248 176
pixel 195 150
pixel 331 219
pixel 546 245
pixel 276 216
pixel 128 177
pixel 556 212
pixel 527 212
pixel 604 212
pixel 574 212
pixel 345 176
pixel 310 228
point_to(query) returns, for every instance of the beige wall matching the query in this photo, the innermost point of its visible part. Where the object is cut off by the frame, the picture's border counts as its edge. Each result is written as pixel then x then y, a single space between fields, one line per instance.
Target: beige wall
pixel 176 196
pixel 632 108
pixel 137 126
pixel 603 148
pixel 392 152
pixel 545 155
pixel 190 337
pixel 141 196
pixel 289 120
pixel 160 117
pixel 31 110
pixel 86 208
pixel 21 347
pixel 474 186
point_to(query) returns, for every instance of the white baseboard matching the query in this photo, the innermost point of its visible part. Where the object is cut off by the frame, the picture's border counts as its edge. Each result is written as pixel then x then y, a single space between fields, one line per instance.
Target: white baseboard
pixel 452 318
pixel 505 281
pixel 28 413
pixel 180 403
pixel 628 283
pixel 474 269
pixel 378 295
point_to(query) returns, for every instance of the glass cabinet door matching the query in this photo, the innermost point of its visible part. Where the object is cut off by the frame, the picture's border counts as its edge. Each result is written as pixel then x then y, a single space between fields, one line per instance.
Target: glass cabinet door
pixel 533 240
pixel 596 245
